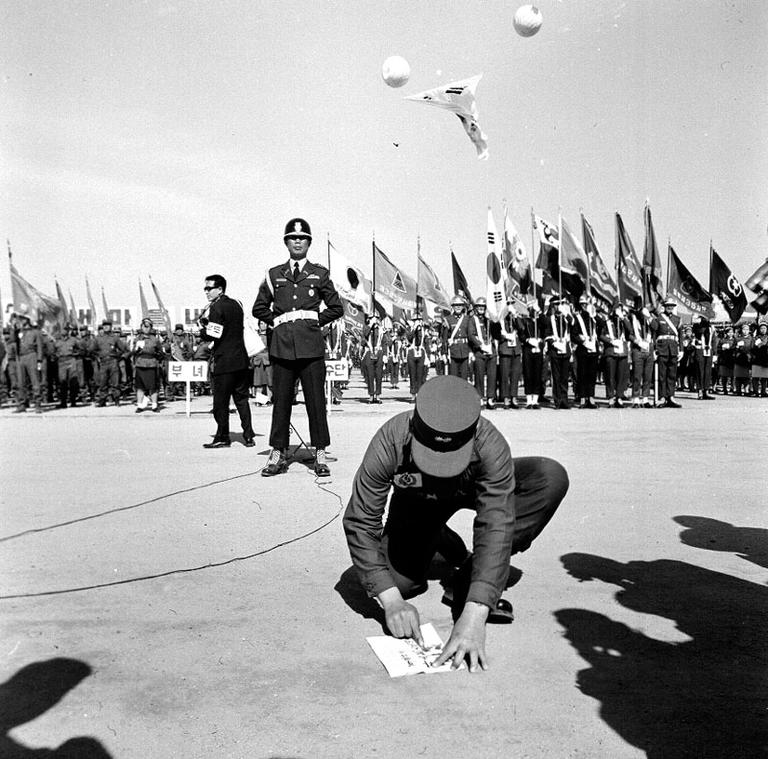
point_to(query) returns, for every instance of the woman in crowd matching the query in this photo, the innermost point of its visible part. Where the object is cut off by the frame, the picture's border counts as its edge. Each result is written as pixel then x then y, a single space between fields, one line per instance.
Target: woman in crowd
pixel 147 357
pixel 742 360
pixel 726 351
pixel 760 361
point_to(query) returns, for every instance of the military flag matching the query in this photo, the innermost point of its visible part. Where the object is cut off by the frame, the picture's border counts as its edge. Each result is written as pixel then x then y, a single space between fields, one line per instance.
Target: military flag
pixel 758 281
pixel 72 310
pixel 62 303
pixel 27 299
pixel 548 261
pixel 104 303
pixel 652 277
pixel 760 303
pixel 574 264
pixel 428 284
pixel 143 301
pixel 91 305
pixel 601 284
pixel 628 274
pixel 495 294
pixel 459 98
pixel 725 288
pixel 350 281
pixel 682 286
pixel 391 282
pixel 163 309
pixel 460 286
pixel 354 315
pixel 516 261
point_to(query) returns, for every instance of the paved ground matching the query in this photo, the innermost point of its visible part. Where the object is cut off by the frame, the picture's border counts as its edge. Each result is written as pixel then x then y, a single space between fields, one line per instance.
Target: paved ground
pixel 641 613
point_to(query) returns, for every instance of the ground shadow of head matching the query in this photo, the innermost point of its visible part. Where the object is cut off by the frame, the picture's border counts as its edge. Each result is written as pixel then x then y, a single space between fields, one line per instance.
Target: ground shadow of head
pixel 698 698
pixel 750 543
pixel 31 692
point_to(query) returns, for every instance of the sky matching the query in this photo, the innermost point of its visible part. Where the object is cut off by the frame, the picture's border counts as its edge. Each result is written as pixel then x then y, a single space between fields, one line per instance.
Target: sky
pixel 176 139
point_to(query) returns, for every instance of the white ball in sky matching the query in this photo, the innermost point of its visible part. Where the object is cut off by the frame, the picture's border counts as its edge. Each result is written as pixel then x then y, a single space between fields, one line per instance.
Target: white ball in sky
pixel 395 71
pixel 527 20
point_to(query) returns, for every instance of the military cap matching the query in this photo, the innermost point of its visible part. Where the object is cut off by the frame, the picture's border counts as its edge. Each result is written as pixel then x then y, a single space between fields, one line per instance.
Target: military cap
pixel 297 228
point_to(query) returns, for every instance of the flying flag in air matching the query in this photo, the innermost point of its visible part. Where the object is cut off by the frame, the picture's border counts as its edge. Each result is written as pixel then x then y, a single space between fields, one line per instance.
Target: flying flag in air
pixel 549 255
pixel 495 293
pixel 601 284
pixel 27 299
pixel 683 287
pixel 391 282
pixel 163 309
pixel 516 261
pixel 758 281
pixel 459 98
pixel 629 273
pixel 652 277
pixel 91 305
pixel 760 303
pixel 725 288
pixel 460 286
pixel 574 264
pixel 428 285
pixel 350 281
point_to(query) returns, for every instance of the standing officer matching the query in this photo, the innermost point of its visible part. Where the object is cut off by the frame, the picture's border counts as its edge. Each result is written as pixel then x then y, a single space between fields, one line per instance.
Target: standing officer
pixel 704 341
pixel 230 365
pixel 289 301
pixel 109 348
pixel 666 333
pixel 639 330
pixel 613 335
pixel 68 349
pixel 558 336
pixel 29 364
pixel 483 337
pixel 372 360
pixel 416 355
pixel 456 338
pixel 532 331
pixel 510 355
pixel 436 459
pixel 584 337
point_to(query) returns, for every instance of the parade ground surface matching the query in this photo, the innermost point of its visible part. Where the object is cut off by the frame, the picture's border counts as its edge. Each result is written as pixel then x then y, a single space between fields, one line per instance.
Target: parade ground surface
pixel 161 600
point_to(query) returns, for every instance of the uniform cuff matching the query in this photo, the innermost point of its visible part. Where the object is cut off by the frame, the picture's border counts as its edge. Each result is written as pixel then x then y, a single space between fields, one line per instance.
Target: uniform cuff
pixel 483 593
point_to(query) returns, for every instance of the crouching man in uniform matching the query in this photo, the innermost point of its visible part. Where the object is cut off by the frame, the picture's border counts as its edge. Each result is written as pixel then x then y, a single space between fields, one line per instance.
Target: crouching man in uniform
pixel 436 459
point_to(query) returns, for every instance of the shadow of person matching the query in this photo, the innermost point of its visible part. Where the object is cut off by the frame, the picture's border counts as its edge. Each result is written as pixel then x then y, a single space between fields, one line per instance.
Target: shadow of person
pixel 354 596
pixel 31 692
pixel 750 543
pixel 703 698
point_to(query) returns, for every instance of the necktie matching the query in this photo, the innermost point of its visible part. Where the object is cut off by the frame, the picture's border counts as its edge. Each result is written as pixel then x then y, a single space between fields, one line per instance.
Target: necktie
pixel 296 270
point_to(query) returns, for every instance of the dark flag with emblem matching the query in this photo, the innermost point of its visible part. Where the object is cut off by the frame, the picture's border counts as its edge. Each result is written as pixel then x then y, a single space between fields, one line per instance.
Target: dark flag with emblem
pixel 574 265
pixel 629 274
pixel 548 261
pixel 27 299
pixel 460 286
pixel 652 276
pixel 725 287
pixel 682 286
pixel 391 282
pixel 601 284
pixel 354 315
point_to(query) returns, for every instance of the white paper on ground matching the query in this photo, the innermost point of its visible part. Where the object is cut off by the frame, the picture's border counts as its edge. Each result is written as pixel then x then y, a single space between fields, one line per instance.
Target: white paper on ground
pixel 404 656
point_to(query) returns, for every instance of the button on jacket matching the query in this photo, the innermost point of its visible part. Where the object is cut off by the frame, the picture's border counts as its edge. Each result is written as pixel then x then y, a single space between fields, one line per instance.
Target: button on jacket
pixel 282 293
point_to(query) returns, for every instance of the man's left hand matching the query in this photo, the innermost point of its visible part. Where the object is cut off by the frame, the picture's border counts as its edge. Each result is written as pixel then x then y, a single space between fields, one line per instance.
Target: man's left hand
pixel 467 639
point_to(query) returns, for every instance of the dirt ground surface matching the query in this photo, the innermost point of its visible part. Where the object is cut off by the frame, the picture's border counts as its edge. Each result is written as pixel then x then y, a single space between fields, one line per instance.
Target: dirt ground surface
pixel 161 600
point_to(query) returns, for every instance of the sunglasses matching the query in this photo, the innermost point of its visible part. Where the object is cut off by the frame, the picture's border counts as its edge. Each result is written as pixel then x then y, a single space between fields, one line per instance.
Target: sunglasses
pixel 207 288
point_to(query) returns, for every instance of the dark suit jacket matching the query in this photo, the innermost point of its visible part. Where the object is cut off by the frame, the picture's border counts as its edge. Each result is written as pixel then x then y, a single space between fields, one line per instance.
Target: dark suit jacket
pixel 280 294
pixel 229 354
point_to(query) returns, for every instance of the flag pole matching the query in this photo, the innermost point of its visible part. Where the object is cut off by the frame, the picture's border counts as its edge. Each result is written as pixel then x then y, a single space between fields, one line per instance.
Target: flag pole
pixel 373 280
pixel 533 275
pixel 328 249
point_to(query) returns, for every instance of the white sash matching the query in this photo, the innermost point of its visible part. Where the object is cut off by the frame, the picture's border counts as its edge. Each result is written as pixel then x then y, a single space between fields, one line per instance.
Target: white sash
pixel 589 340
pixel 671 325
pixel 641 336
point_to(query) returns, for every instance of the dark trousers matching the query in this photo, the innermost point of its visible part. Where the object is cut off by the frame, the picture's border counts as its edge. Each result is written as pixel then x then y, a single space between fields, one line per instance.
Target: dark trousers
pixel 642 374
pixel 616 376
pixel 459 367
pixel 410 540
pixel 26 368
pixel 69 386
pixel 417 373
pixel 667 374
pixel 109 381
pixel 704 370
pixel 510 369
pixel 373 371
pixel 235 385
pixel 560 367
pixel 485 375
pixel 394 371
pixel 586 373
pixel 532 372
pixel 311 373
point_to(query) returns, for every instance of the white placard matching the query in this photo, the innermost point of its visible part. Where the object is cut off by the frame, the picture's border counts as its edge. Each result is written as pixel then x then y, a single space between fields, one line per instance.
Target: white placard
pixel 337 370
pixel 187 371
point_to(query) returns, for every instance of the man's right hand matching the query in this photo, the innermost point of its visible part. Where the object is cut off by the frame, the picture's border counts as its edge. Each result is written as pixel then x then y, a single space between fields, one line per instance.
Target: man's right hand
pixel 401 617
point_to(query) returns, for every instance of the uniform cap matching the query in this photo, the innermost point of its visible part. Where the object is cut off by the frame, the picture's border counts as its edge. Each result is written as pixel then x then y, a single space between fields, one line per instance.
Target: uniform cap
pixel 297 228
pixel 106 323
pixel 669 301
pixel 443 426
pixel 583 299
pixel 178 327
pixel 481 302
pixel 457 300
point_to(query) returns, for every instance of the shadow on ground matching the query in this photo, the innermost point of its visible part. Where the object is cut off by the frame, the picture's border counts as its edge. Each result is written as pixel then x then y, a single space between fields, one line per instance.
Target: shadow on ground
pixel 31 692
pixel 750 543
pixel 704 698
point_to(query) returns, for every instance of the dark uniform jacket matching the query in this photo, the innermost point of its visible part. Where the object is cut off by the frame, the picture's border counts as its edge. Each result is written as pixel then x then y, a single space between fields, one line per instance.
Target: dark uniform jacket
pixel 486 486
pixel 512 326
pixel 584 338
pixel 483 334
pixel 109 348
pixel 666 338
pixel 614 328
pixel 30 341
pixel 68 349
pixel 228 353
pixel 557 332
pixel 457 339
pixel 281 296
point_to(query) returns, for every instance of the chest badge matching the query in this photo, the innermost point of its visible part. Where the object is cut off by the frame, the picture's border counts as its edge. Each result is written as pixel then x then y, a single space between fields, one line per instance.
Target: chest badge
pixel 311 292
pixel 407 480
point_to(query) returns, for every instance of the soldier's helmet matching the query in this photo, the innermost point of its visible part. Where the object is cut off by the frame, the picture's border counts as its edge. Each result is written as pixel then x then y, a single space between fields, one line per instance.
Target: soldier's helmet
pixel 297 228
pixel 457 300
pixel 481 303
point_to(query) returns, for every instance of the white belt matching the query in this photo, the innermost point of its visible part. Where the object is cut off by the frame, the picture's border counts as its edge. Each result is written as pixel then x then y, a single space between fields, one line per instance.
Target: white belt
pixel 292 316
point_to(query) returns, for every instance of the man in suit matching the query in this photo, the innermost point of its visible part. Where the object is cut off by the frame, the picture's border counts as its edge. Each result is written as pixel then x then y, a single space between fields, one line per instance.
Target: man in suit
pixel 230 370
pixel 289 302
